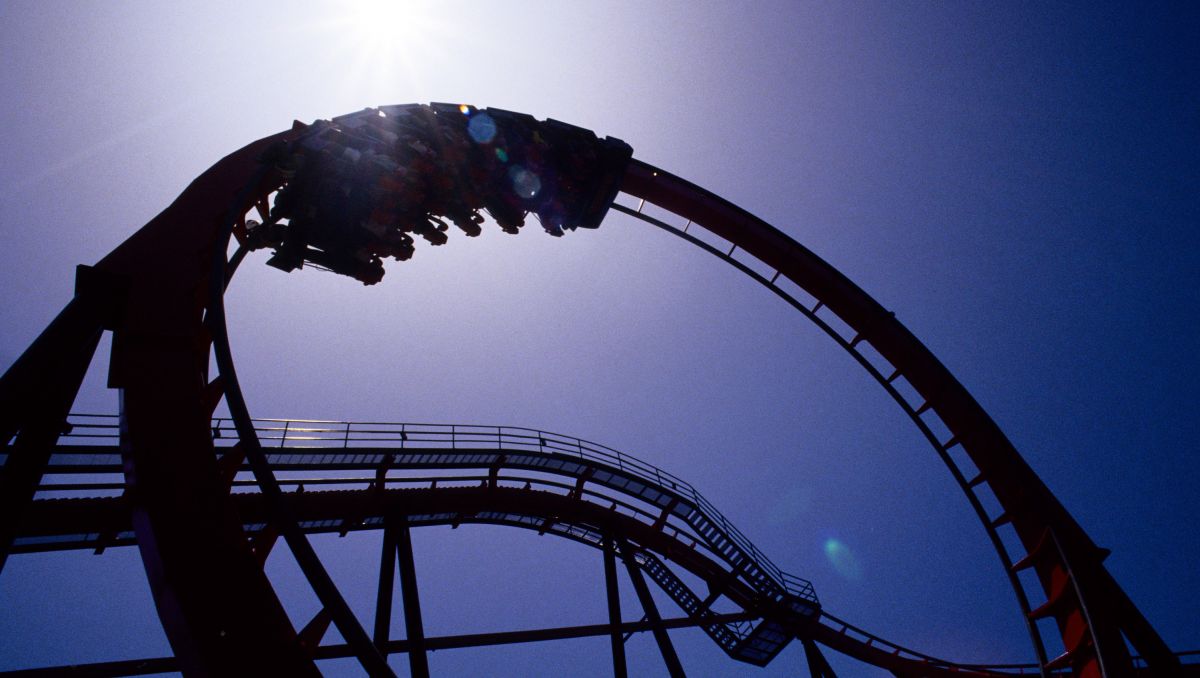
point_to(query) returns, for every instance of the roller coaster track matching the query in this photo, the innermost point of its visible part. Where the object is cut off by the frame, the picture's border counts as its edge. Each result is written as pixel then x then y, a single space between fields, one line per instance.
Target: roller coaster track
pixel 161 293
pixel 456 474
pixel 1091 611
pixel 350 476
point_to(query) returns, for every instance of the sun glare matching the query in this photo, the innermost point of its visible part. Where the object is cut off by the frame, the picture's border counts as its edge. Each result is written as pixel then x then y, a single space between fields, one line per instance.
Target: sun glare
pixel 386 39
pixel 378 22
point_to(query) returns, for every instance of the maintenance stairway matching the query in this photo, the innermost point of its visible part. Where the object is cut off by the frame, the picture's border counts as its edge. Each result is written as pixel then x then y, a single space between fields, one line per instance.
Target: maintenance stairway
pixel 358 469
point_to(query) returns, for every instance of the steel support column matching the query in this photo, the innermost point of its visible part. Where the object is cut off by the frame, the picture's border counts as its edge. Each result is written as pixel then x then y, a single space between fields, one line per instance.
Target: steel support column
pixel 187 527
pixel 387 575
pixel 415 632
pixel 614 610
pixel 660 632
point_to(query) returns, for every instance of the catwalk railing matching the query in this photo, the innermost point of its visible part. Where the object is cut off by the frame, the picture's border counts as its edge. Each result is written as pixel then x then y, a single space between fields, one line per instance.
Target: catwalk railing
pixel 366 445
pixel 310 452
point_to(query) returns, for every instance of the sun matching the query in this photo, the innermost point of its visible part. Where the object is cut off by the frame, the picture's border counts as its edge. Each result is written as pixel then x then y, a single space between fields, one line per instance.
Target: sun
pixel 386 40
pixel 376 24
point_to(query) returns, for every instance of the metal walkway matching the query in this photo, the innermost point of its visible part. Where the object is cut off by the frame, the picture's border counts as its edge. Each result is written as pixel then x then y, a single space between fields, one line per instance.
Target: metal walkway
pixel 349 476
pixel 79 504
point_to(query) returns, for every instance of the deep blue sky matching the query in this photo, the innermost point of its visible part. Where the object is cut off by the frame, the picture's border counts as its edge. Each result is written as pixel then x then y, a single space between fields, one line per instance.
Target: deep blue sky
pixel 1018 182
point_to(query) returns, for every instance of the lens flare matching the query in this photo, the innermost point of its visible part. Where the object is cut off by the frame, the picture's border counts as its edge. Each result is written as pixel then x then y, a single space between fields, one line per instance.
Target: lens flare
pixel 842 560
pixel 482 128
pixel 525 184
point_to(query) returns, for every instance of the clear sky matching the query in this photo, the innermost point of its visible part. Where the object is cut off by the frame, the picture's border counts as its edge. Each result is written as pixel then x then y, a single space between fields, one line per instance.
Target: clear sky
pixel 1018 182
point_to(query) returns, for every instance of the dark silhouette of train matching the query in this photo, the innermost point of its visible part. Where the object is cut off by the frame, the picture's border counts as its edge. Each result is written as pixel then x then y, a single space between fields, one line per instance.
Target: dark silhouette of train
pixel 360 187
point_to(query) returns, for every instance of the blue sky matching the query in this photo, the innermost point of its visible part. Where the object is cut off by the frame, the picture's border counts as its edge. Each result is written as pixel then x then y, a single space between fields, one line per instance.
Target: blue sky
pixel 1017 182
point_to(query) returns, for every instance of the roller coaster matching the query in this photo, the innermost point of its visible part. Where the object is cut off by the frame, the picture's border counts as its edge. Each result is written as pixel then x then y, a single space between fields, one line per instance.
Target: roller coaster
pixel 197 494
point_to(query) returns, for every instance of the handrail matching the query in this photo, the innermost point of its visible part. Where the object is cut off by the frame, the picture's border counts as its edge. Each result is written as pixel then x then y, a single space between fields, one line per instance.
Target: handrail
pixel 103 431
pixel 311 434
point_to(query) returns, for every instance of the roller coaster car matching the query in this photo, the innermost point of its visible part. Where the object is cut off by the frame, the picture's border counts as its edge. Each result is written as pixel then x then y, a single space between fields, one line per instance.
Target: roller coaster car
pixel 599 180
pixel 361 184
pixel 579 173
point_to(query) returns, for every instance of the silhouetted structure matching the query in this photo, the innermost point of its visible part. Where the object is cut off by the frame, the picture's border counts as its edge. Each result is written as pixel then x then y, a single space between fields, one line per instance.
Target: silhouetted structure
pixel 347 193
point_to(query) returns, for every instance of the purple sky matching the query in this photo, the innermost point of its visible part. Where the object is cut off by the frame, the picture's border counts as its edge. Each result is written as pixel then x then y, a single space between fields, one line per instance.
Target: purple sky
pixel 1017 182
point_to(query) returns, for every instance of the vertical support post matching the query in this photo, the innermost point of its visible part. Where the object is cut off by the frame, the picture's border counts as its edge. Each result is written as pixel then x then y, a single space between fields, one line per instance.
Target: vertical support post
pixel 614 610
pixel 660 633
pixel 186 524
pixel 417 660
pixel 383 599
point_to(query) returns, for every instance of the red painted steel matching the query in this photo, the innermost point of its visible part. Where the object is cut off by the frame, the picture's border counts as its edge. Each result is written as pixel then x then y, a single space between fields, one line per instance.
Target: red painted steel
pixel 218 608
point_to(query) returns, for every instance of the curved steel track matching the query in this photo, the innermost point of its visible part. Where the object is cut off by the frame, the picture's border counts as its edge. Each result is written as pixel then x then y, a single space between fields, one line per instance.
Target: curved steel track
pixel 1092 613
pixel 351 476
pixel 161 293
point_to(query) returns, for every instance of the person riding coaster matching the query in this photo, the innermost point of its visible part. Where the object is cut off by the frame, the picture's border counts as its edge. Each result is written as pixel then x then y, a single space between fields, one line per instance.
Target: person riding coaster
pixel 357 189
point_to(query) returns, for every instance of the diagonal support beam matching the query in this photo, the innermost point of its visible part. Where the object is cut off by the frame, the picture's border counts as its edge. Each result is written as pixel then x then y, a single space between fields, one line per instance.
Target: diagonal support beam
pixel 660 632
pixel 312 633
